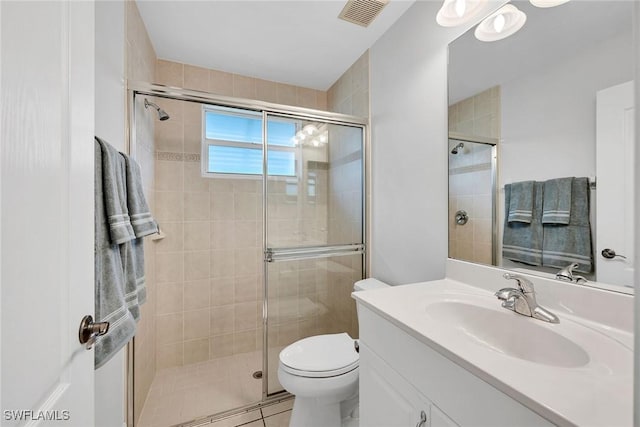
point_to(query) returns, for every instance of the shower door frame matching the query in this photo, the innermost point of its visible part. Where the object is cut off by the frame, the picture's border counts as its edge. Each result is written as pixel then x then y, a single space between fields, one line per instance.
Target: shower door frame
pixel 267 109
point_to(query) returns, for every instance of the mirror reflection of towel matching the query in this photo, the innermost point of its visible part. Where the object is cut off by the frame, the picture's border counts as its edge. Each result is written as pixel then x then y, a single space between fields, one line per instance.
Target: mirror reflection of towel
pixel 521 241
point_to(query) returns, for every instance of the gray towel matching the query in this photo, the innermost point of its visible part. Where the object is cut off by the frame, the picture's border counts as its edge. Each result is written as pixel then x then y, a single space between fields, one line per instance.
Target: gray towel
pixel 556 207
pixel 522 242
pixel 110 305
pixel 115 194
pixel 565 244
pixel 132 252
pixel 520 207
pixel 141 219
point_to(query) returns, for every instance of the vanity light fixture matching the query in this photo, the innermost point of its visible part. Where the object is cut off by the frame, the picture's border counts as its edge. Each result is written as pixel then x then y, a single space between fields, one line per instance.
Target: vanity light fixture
pixel 457 12
pixel 311 135
pixel 501 24
pixel 547 3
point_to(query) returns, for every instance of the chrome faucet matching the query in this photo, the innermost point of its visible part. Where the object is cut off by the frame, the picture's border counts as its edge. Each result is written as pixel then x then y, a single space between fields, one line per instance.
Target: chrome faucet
pixel 567 275
pixel 523 300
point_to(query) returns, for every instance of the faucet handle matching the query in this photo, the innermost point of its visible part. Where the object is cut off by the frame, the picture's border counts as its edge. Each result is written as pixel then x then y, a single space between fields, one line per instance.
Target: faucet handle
pixel 524 284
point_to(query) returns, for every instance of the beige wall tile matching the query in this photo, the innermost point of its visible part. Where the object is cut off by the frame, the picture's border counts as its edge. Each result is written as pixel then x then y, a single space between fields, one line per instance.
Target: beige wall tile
pixel 193 138
pixel 169 73
pixel 173 240
pixel 196 78
pixel 306 98
pixel 196 206
pixel 221 83
pixel 286 94
pixel 221 345
pixel 266 91
pixel 193 180
pixel 222 263
pixel 196 265
pixel 245 316
pixel 222 234
pixel 196 324
pixel 222 319
pixel 244 87
pixel 222 291
pixel 196 351
pixel 169 267
pixel 169 136
pixel 170 296
pixel 169 206
pixel 244 342
pixel 222 205
pixel 220 185
pixel 196 235
pixel 196 294
pixel 169 328
pixel 246 288
pixel 169 355
pixel 247 260
pixel 245 206
pixel 168 175
pixel 246 234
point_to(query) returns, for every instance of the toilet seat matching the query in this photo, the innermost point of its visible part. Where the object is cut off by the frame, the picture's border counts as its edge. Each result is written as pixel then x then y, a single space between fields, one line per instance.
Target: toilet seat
pixel 320 356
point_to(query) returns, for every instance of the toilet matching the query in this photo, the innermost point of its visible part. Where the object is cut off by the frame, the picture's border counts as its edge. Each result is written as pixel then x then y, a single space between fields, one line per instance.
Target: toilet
pixel 322 372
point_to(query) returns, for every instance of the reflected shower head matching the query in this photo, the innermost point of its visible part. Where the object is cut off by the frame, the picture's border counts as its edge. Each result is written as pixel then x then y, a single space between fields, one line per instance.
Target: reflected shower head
pixel 457 147
pixel 162 115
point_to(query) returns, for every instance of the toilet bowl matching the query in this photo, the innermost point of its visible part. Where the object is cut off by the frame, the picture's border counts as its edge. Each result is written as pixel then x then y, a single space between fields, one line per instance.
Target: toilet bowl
pixel 322 372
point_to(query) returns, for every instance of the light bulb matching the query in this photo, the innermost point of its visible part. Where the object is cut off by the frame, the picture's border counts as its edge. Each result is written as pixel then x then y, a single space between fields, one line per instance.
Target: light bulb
pixel 316 143
pixel 309 129
pixel 300 135
pixel 323 137
pixel 460 7
pixel 498 23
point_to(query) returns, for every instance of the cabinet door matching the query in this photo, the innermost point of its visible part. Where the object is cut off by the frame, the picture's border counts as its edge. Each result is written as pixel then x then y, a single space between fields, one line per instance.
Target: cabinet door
pixel 439 419
pixel 386 398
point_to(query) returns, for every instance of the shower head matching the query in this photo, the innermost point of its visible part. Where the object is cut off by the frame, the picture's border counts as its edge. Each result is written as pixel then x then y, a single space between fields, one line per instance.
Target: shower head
pixel 457 147
pixel 162 115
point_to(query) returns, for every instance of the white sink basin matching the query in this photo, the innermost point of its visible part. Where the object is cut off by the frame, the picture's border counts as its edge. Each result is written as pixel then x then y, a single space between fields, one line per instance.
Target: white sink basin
pixel 509 333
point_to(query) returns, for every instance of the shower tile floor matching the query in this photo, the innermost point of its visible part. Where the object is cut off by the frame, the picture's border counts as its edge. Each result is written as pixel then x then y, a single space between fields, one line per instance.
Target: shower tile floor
pixel 181 394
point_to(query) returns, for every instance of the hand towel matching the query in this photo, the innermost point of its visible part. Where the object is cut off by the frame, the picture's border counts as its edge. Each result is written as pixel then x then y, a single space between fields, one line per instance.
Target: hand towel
pixel 110 305
pixel 522 242
pixel 564 244
pixel 521 203
pixel 556 207
pixel 115 194
pixel 141 220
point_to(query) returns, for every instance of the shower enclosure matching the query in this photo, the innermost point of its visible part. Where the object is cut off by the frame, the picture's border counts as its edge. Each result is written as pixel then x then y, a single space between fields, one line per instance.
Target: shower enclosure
pixel 472 199
pixel 262 211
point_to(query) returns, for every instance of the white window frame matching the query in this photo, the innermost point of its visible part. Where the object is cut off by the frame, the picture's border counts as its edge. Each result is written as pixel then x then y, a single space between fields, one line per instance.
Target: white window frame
pixel 206 142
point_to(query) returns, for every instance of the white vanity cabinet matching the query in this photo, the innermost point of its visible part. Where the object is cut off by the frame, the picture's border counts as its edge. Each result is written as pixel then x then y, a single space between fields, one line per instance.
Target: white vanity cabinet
pixel 400 377
pixel 391 400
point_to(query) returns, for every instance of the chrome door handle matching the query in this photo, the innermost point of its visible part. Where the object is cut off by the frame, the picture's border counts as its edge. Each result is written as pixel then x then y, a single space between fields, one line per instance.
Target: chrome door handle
pixel 610 254
pixel 423 419
pixel 90 330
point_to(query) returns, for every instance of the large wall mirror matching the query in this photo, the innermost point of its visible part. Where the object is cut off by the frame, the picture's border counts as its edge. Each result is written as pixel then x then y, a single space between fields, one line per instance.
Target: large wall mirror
pixel 544 119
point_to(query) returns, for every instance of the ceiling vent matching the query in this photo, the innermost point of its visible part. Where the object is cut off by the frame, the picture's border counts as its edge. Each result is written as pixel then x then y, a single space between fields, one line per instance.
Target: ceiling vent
pixel 362 12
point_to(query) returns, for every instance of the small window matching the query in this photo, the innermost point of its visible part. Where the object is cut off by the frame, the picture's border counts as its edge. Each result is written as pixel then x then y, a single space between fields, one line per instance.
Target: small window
pixel 232 143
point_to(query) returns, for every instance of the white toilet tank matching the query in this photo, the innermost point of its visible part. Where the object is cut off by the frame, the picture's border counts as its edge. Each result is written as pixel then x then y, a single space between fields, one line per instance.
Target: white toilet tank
pixel 368 284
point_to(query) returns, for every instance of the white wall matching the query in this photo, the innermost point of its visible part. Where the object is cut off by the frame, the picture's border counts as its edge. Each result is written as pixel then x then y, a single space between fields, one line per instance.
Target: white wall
pixel 636 383
pixel 110 125
pixel 409 146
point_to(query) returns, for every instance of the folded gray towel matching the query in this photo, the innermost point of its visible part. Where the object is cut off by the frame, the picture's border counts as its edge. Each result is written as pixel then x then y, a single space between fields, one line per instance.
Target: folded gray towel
pixel 522 242
pixel 141 219
pixel 565 244
pixel 521 203
pixel 115 194
pixel 110 305
pixel 556 207
pixel 132 255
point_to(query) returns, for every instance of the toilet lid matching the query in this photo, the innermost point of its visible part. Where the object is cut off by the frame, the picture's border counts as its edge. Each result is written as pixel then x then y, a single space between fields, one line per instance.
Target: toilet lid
pixel 320 356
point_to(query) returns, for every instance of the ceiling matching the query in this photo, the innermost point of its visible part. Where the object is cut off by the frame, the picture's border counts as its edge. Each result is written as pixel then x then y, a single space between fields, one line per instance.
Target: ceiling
pixel 548 37
pixel 299 42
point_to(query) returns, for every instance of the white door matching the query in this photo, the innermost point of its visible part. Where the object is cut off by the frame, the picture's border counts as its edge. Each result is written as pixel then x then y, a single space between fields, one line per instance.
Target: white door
pixel 46 210
pixel 615 194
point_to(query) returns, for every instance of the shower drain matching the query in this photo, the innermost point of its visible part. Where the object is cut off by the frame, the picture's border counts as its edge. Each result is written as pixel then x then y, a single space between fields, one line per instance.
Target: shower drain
pixel 257 375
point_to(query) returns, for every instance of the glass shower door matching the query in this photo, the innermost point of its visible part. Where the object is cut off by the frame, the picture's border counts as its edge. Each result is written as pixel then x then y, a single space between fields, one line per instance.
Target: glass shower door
pixel 314 232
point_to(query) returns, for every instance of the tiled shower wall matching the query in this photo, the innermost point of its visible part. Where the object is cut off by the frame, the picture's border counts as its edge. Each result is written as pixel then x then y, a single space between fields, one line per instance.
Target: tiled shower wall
pixel 141 61
pixel 348 95
pixel 209 267
pixel 470 176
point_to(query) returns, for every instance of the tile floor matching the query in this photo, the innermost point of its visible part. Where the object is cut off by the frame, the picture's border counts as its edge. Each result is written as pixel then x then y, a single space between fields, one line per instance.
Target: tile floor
pixel 269 416
pixel 181 394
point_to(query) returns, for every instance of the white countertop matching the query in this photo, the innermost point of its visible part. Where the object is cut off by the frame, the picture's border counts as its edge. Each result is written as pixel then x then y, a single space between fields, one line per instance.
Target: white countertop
pixel 597 392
